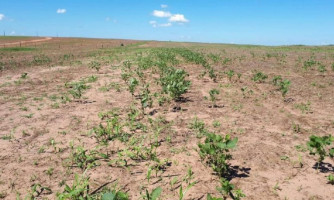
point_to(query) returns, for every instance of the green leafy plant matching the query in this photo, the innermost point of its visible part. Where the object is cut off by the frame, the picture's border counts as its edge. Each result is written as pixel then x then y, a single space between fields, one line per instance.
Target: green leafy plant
pixel 227 190
pixel 259 77
pixel 24 75
pixel 112 130
pixel 319 146
pixel 246 92
pixel 115 195
pixel 215 151
pixel 230 73
pixel 198 126
pixel 296 128
pixel 173 82
pixel 226 61
pixel 36 190
pixel 322 68
pixel 146 98
pixel 78 191
pixel 95 65
pixel 41 59
pixel 173 182
pixel 83 158
pixel 90 79
pixel 304 107
pixel 132 84
pixel 277 80
pixel 213 97
pixel 148 174
pixel 214 57
pixel 239 76
pixel 209 197
pixel 182 192
pixel 159 165
pixel 216 124
pixel 77 89
pixel 284 87
pixel 212 74
pixel 309 64
pixel 154 195
pixel 132 121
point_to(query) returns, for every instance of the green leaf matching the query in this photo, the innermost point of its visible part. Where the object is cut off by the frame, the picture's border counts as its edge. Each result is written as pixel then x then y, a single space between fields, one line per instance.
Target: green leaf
pixel 208 197
pixel 108 196
pixel 221 145
pixel 232 143
pixel 331 152
pixel 181 193
pixel 156 193
pixel 284 157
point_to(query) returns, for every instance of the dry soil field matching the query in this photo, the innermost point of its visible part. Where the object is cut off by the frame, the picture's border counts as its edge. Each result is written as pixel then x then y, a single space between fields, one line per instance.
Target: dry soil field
pixel 121 119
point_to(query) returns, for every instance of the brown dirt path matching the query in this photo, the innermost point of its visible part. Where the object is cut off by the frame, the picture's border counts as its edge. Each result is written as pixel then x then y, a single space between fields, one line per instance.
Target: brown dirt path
pixel 26 42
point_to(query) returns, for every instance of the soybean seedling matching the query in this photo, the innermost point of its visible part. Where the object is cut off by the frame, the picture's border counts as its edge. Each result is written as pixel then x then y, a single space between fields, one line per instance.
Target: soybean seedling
pixel 154 195
pixel 146 98
pixel 227 189
pixel 319 146
pixel 132 83
pixel 95 65
pixel 259 77
pixel 230 74
pixel 277 79
pixel 213 97
pixel 215 151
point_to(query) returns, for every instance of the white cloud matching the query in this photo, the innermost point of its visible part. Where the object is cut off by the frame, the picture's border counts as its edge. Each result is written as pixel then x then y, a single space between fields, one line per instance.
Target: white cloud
pixel 178 18
pixel 160 13
pixel 61 11
pixel 155 24
pixel 165 25
pixel 172 18
pixel 12 33
pixel 2 16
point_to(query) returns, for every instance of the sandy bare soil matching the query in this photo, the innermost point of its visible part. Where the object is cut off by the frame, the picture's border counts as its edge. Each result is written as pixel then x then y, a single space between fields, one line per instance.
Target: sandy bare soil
pixel 24 42
pixel 43 125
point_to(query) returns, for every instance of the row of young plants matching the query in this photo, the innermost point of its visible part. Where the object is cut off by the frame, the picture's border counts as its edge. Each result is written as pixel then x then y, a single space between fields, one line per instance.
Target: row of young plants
pixel 114 126
pixel 159 68
pixel 214 151
pixel 173 83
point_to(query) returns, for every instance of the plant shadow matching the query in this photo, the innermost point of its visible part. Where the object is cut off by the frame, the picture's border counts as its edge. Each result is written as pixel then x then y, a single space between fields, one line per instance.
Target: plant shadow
pixel 217 106
pixel 183 100
pixel 323 167
pixel 238 172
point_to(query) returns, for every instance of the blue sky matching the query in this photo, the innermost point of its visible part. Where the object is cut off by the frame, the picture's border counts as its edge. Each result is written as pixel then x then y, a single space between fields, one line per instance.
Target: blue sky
pixel 268 22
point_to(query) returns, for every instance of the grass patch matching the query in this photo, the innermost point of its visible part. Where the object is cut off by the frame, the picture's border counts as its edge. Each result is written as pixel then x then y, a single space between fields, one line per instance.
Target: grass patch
pixel 17 49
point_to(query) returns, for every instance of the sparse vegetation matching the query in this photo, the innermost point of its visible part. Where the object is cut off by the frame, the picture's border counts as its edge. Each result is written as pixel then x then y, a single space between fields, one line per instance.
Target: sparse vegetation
pixel 215 152
pixel 137 128
pixel 318 146
pixel 259 77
